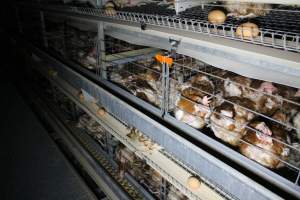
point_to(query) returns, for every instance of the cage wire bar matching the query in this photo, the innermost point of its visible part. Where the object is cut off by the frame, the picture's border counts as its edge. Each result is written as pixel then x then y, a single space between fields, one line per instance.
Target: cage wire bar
pixel 55 34
pixel 168 175
pixel 141 75
pixel 209 72
pixel 91 145
pixel 76 81
pixel 129 66
pixel 165 101
pixel 183 26
pixel 112 147
pixel 267 37
pixel 164 108
pixel 60 98
pixel 82 43
pixel 63 10
pixel 216 97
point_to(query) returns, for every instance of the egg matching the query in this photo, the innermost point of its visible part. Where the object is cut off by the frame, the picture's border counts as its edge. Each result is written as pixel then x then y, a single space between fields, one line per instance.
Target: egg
pixel 193 183
pixel 247 30
pixel 101 112
pixel 216 17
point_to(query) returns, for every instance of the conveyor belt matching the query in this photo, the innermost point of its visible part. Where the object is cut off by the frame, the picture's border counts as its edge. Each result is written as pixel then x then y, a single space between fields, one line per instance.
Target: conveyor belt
pixel 276 20
pixel 36 169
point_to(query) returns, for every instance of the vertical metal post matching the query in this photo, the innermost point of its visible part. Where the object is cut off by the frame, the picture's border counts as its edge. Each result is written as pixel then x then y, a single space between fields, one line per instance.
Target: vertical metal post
pixel 110 145
pixel 43 26
pixel 172 53
pixel 163 189
pixel 106 142
pixel 63 37
pixel 163 89
pixel 100 3
pixel 167 88
pixel 297 179
pixel 101 65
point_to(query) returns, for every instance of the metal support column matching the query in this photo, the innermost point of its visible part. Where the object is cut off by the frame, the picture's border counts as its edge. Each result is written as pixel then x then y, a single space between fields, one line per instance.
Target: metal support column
pixel 167 88
pixel 163 89
pixel 43 26
pixel 111 144
pixel 163 189
pixel 100 3
pixel 101 51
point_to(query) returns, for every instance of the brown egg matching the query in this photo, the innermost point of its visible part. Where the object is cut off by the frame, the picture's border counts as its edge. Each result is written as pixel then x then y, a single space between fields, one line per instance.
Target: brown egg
pixel 247 30
pixel 101 112
pixel 193 183
pixel 216 17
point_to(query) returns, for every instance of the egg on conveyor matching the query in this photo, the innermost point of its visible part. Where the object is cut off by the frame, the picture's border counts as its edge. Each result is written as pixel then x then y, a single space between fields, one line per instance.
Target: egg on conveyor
pixel 247 30
pixel 216 17
pixel 193 183
pixel 101 112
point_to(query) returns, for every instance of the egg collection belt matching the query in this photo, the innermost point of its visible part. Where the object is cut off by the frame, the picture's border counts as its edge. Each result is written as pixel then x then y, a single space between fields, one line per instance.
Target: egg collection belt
pixel 279 29
pixel 276 20
pixel 283 20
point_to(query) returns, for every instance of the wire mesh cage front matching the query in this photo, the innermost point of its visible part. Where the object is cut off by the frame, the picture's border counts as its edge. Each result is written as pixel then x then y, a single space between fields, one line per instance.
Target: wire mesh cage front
pixel 149 178
pixel 31 25
pixel 135 71
pixel 55 34
pixel 264 24
pixel 139 78
pixel 115 46
pixel 81 43
pixel 259 119
pixel 137 168
pixel 46 88
pixel 269 25
pixel 65 103
pixel 94 129
pixel 273 25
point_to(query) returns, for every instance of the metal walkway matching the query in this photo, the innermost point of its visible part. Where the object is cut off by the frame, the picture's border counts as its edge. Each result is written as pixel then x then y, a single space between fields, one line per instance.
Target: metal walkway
pixel 33 166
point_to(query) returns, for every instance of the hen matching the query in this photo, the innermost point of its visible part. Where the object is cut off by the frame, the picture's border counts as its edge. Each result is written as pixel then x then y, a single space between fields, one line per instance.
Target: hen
pixel 235 85
pixel 113 5
pixel 228 121
pixel 246 10
pixel 263 94
pixel 261 147
pixel 293 108
pixel 193 107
